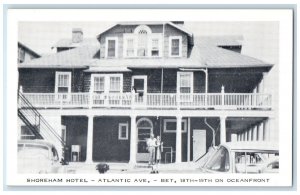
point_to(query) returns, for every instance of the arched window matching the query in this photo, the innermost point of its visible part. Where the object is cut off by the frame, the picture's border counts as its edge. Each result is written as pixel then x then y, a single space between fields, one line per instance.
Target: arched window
pixel 144 123
pixel 142 32
pixel 142 43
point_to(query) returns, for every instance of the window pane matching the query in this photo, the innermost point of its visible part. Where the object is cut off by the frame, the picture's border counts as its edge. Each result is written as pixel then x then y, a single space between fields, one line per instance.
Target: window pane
pixel 185 80
pixel 63 80
pixel 175 47
pixel 185 84
pixel 111 51
pixel 62 89
pixel 155 47
pixel 115 84
pixel 142 45
pixel 123 131
pixel 154 43
pixel 130 47
pixel 99 84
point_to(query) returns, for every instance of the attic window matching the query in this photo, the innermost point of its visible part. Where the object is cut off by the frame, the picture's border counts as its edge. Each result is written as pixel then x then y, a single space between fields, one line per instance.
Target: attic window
pixel 142 29
pixel 111 47
pixel 175 46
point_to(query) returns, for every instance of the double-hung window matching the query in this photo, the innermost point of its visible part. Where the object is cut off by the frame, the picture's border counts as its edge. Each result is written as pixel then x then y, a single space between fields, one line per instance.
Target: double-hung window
pixel 155 47
pixel 99 83
pixel 115 84
pixel 130 47
pixel 142 44
pixel 185 82
pixel 175 46
pixel 123 131
pixel 107 83
pixel 111 47
pixel 62 85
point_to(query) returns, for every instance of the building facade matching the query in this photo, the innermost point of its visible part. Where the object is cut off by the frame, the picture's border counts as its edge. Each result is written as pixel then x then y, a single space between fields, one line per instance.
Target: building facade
pixel 104 100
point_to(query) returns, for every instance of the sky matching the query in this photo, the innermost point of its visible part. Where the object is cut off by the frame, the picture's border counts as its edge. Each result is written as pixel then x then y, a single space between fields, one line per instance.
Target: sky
pixel 260 38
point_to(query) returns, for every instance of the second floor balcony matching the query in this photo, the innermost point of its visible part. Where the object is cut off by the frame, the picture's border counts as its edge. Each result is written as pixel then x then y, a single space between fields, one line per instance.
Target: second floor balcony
pixel 212 101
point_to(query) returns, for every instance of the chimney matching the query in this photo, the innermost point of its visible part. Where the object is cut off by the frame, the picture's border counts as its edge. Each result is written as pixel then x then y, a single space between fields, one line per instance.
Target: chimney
pixel 77 35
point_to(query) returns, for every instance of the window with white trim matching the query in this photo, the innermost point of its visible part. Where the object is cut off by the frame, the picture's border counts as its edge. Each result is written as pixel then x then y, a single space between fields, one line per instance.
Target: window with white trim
pixel 185 82
pixel 63 82
pixel 123 131
pixel 130 47
pixel 111 47
pixel 99 84
pixel 107 83
pixel 170 125
pixel 115 84
pixel 155 47
pixel 175 46
pixel 142 43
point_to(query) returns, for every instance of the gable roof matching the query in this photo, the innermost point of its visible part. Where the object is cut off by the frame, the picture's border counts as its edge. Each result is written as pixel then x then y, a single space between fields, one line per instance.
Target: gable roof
pixel 148 23
pixel 35 54
pixel 75 58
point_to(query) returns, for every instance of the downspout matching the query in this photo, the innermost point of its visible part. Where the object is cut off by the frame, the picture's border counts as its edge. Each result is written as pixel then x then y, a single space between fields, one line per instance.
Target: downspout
pixel 213 132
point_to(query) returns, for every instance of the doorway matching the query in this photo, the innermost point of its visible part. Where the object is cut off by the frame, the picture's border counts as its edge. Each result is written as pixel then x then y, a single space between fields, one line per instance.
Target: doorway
pixel 139 82
pixel 144 129
pixel 199 143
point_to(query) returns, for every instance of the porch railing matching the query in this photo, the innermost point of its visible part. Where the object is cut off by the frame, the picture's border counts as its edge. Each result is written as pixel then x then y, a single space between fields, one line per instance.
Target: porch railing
pixel 152 100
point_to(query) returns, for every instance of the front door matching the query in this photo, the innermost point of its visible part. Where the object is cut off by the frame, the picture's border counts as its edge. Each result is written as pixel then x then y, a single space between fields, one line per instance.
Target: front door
pixel 199 143
pixel 144 129
pixel 139 83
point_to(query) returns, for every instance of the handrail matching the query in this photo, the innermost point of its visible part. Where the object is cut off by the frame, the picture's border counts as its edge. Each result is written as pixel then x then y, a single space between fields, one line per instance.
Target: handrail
pixel 153 100
pixel 35 112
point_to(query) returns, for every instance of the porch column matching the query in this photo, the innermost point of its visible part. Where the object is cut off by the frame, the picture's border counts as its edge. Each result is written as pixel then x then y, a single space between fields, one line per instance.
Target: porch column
pixel 250 134
pixel 246 135
pixel 254 133
pixel 260 132
pixel 178 139
pixel 222 129
pixel 133 140
pixel 89 146
pixel 267 130
pixel 189 140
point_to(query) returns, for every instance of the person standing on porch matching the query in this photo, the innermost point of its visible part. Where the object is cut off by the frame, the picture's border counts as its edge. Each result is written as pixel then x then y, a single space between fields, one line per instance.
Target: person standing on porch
pixel 159 150
pixel 151 144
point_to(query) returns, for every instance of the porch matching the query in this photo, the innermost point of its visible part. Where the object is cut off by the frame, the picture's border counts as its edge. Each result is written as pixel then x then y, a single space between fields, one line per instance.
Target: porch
pixel 121 139
pixel 213 101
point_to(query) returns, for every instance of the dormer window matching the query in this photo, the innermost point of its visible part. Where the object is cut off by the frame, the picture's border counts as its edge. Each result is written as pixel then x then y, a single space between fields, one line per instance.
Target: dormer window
pixel 175 46
pixel 111 47
pixel 142 43
pixel 155 47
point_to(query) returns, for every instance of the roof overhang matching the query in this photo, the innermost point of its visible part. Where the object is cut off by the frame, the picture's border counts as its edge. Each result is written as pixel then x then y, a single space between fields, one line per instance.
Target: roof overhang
pixel 52 66
pixel 108 69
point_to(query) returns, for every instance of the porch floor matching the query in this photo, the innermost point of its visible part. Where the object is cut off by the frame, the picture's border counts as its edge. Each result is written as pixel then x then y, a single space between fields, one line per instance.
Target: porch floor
pixel 125 168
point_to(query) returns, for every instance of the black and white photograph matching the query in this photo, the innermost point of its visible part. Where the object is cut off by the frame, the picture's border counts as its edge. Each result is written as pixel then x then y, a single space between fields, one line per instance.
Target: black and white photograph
pixel 148 97
pixel 160 102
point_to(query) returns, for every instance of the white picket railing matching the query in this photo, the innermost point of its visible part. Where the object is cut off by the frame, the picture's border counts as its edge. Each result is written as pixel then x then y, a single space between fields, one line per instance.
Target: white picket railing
pixel 152 100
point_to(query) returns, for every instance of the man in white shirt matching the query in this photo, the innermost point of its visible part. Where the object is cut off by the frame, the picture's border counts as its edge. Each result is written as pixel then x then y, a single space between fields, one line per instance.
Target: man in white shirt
pixel 151 143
